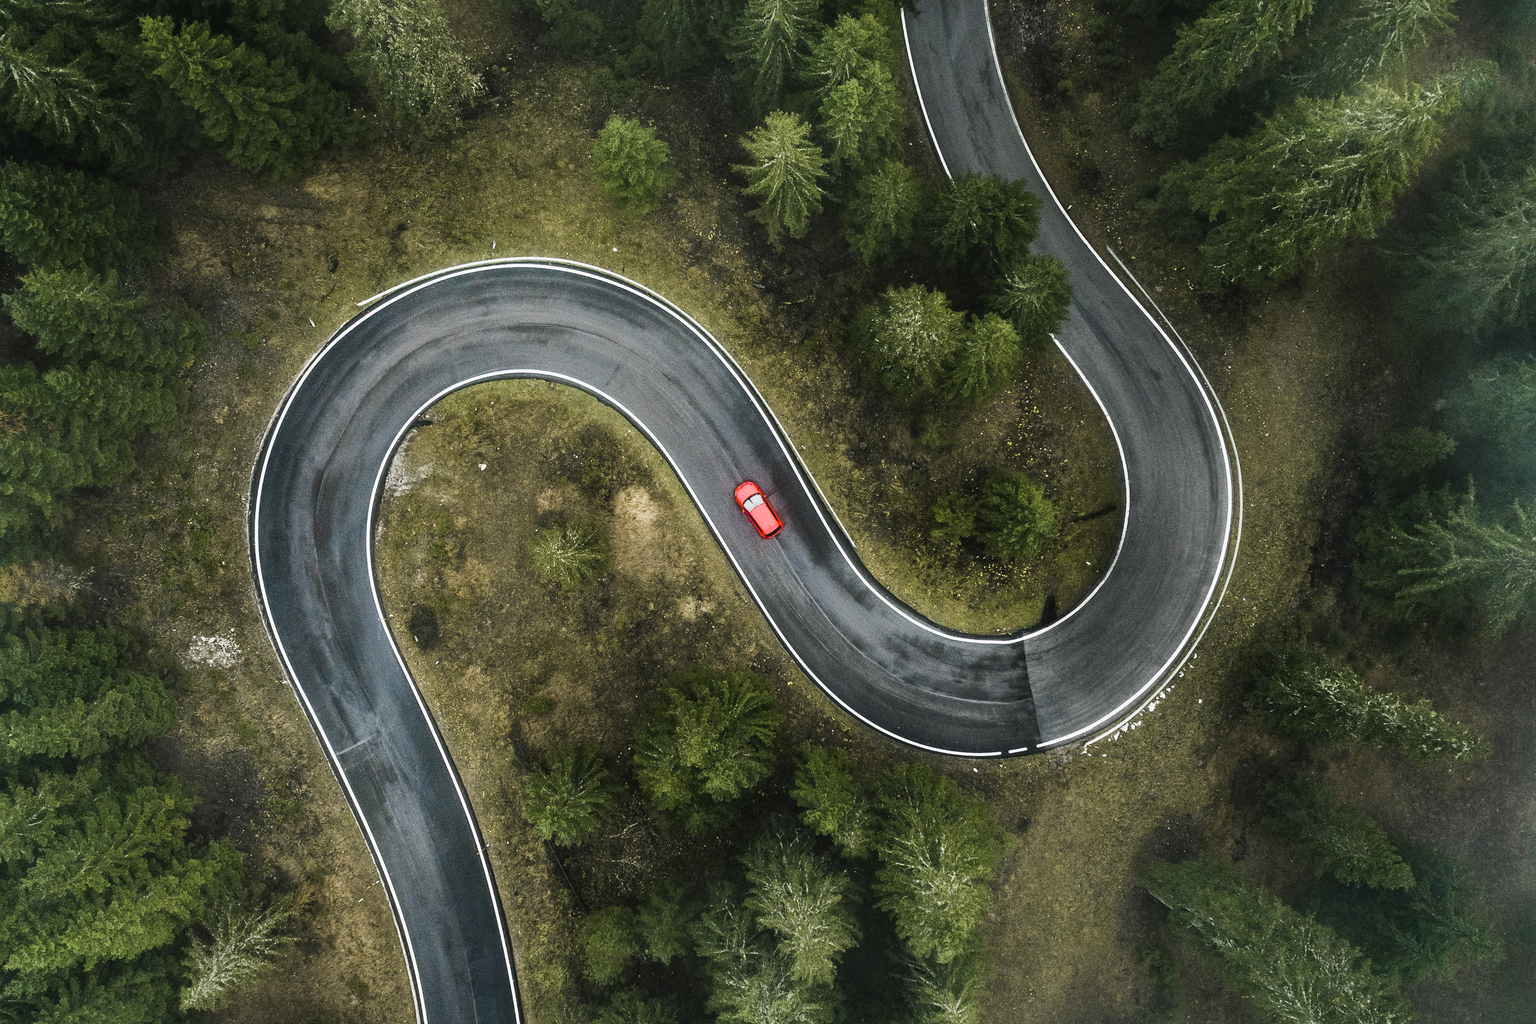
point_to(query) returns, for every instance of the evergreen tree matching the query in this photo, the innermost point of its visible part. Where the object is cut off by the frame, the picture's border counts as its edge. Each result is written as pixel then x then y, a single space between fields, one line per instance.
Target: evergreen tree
pixel 945 993
pixel 1335 839
pixel 1208 60
pixel 687 32
pixel 1293 969
pixel 56 102
pixel 706 740
pixel 1370 39
pixel 51 218
pixel 68 428
pixel 565 796
pixel 82 316
pixel 1497 405
pixel 1016 517
pixel 882 218
pixel 663 922
pixel 984 224
pixel 406 53
pixel 1475 270
pixel 632 165
pixel 569 556
pixel 847 50
pixel 1034 295
pixel 771 39
pixel 1448 555
pixel 244 938
pixel 1300 695
pixel 1316 173
pixel 861 118
pixel 608 943
pixel 938 852
pixel 784 174
pixel 987 360
pixel 805 902
pixel 908 339
pixel 835 803
pixel 76 695
pixel 631 1007
pixel 259 113
pixel 1428 931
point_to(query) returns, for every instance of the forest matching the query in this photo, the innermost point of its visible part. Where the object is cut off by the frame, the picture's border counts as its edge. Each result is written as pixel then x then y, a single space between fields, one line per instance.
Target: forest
pixel 1253 154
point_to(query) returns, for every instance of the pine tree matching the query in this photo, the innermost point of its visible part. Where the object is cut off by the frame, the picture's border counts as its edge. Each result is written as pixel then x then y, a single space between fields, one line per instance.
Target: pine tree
pixel 1474 272
pixel 569 556
pixel 608 943
pixel 1034 295
pixel 882 218
pixel 631 1007
pixel 907 340
pixel 805 901
pixel 1208 60
pixel 771 39
pixel 1335 839
pixel 784 174
pixel 1372 39
pixel 565 796
pixel 406 53
pixel 260 114
pixel 1301 695
pixel 1444 560
pixel 244 939
pixel 66 694
pixel 1017 519
pixel 861 118
pixel 51 219
pixel 1497 404
pixel 632 165
pixel 987 360
pixel 56 102
pixel 835 803
pixel 687 32
pixel 984 224
pixel 847 50
pixel 82 316
pixel 706 740
pixel 1295 970
pixel 70 427
pixel 1316 173
pixel 663 922
pixel 938 852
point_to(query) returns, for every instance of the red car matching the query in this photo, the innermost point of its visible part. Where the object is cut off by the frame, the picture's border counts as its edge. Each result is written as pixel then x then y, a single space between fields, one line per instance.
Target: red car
pixel 750 497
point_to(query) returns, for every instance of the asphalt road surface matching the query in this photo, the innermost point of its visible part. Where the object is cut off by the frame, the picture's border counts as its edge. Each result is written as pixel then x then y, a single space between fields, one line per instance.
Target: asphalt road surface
pixel 321 470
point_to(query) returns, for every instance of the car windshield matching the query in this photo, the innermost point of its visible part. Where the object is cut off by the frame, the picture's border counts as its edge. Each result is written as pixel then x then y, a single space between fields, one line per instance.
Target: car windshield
pixel 752 502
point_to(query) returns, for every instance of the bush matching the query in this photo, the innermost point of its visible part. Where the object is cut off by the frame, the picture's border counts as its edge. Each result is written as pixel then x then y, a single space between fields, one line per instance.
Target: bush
pixel 632 164
pixel 569 556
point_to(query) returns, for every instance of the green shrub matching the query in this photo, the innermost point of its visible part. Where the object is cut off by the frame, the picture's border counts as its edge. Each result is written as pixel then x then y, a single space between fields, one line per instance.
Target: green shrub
pixel 569 556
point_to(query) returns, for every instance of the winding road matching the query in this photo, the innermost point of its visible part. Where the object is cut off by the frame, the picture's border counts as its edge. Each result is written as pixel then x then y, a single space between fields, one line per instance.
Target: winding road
pixel 320 473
